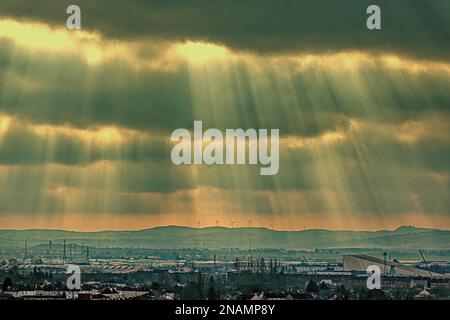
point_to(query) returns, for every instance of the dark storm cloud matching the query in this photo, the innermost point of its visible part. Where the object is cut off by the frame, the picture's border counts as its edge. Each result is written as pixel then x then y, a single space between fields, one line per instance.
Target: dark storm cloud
pixel 383 164
pixel 418 28
pixel 384 176
pixel 44 201
pixel 69 92
pixel 21 144
pixel 65 90
pixel 120 177
pixel 116 94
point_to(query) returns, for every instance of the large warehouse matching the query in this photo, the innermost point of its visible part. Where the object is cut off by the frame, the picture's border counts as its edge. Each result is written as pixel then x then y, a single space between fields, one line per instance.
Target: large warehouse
pixel 362 262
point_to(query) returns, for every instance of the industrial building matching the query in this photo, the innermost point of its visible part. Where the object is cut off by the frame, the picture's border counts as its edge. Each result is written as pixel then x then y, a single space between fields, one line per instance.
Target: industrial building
pixel 360 263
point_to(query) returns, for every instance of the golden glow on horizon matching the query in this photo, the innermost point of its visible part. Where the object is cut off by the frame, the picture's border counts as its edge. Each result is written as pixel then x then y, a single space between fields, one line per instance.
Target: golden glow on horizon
pixel 86 223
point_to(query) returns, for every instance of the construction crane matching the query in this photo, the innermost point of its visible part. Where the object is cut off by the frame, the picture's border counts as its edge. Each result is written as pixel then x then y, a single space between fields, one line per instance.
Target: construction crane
pixel 426 264
pixel 309 267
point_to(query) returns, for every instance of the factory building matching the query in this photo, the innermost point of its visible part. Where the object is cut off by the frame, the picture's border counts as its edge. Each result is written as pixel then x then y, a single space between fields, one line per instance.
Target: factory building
pixel 360 263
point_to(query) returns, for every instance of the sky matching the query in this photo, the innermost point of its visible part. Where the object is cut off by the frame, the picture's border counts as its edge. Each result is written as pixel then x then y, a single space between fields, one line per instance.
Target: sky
pixel 86 116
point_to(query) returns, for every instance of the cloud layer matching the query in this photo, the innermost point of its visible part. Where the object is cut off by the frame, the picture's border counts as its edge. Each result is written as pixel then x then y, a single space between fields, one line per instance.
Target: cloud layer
pixel 409 27
pixel 86 117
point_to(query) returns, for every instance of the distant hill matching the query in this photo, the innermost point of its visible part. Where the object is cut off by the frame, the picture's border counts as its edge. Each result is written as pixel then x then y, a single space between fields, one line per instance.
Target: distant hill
pixel 213 237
